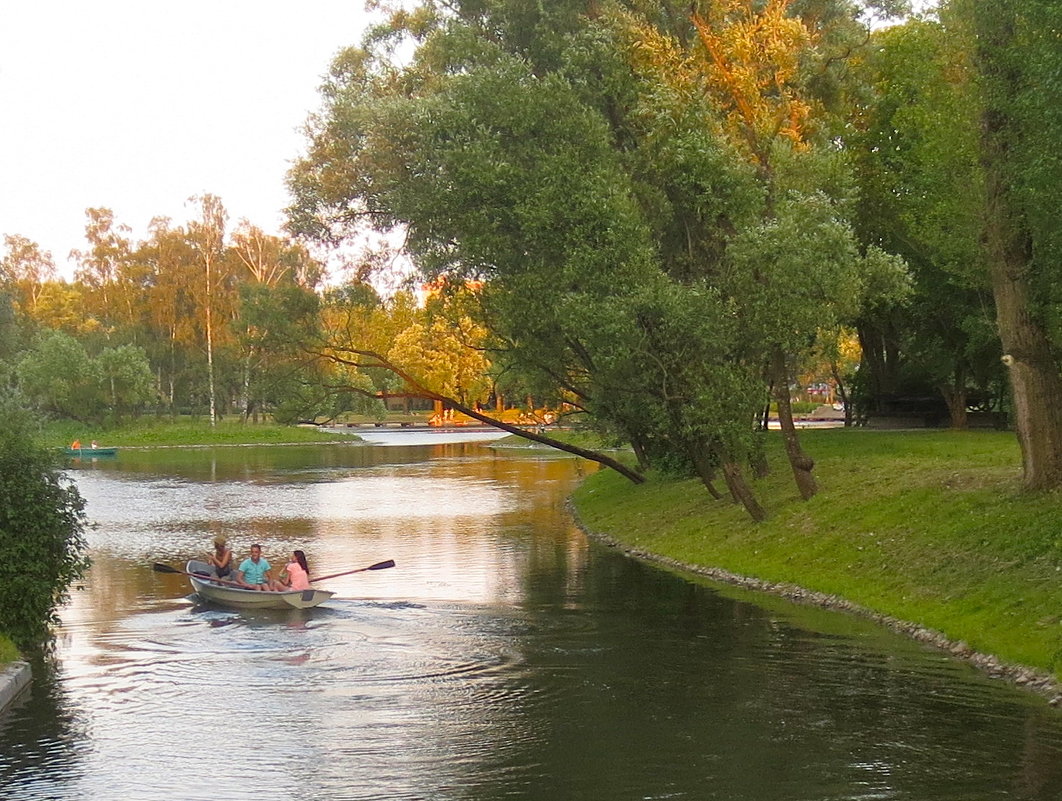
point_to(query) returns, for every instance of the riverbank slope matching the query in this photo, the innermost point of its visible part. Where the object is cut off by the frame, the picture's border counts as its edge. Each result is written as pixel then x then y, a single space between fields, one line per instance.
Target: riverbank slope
pixel 927 528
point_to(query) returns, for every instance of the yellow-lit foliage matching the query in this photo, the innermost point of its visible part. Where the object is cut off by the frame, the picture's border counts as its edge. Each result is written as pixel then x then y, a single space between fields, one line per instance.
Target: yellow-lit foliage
pixel 748 65
pixel 442 356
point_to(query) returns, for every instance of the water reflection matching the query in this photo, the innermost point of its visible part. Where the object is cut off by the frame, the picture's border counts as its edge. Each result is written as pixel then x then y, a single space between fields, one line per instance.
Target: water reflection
pixel 505 657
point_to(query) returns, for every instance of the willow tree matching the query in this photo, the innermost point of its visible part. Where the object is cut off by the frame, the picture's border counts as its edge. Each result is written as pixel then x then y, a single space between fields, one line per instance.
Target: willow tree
pixel 752 75
pixel 499 177
pixel 598 192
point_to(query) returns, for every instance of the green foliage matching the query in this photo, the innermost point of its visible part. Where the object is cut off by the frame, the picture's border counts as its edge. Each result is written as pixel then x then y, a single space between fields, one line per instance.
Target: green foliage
pixel 41 523
pixel 922 187
pixel 58 376
pixel 126 376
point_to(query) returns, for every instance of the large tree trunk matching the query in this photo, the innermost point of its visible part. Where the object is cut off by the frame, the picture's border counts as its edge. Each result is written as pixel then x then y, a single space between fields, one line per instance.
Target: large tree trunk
pixel 1034 374
pixel 801 463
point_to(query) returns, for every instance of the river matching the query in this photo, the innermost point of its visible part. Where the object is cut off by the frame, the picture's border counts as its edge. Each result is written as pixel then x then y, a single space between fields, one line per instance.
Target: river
pixel 504 657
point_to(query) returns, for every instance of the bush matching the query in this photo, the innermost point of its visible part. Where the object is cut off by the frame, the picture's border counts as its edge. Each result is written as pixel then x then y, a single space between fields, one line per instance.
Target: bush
pixel 41 530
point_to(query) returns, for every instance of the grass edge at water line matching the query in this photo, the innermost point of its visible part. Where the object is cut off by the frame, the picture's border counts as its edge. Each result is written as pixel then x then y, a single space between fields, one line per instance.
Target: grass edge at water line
pixel 986 575
pixel 148 433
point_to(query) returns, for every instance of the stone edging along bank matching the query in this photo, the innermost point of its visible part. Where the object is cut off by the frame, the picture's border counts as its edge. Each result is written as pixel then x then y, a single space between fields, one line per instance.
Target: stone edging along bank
pixel 14 677
pixel 1025 677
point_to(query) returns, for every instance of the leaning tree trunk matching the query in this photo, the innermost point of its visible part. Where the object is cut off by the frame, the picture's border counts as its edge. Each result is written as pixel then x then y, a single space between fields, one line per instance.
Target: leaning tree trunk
pixel 801 463
pixel 740 490
pixel 705 470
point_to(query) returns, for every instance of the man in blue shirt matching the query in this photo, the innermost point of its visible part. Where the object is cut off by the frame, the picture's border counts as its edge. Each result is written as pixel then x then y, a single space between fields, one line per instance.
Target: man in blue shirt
pixel 252 572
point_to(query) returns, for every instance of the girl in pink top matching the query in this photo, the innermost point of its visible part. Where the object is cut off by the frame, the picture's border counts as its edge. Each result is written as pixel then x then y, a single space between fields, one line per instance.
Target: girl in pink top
pixel 298 573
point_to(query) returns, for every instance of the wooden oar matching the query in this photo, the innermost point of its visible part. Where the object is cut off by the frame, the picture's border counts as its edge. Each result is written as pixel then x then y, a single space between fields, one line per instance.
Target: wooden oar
pixel 158 567
pixel 377 566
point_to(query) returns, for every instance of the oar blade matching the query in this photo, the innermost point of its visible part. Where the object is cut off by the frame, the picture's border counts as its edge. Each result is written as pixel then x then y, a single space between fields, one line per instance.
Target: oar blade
pixel 158 567
pixel 382 565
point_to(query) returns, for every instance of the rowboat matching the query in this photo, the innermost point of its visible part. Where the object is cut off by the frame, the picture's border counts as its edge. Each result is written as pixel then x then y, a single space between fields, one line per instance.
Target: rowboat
pixel 208 587
pixel 91 452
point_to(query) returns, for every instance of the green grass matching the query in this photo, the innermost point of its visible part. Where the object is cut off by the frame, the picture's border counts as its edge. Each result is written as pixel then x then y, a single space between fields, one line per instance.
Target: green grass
pixel 148 431
pixel 928 527
pixel 8 651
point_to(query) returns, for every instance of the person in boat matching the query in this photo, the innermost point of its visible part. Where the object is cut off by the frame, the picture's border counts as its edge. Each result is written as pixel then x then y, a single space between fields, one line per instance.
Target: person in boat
pixel 94 445
pixel 75 445
pixel 253 572
pixel 221 559
pixel 297 572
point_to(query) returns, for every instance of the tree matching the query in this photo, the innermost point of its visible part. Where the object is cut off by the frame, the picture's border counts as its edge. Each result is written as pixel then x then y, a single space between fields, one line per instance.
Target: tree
pixel 534 202
pixel 921 183
pixel 273 265
pixel 599 186
pixel 795 261
pixel 42 550
pixel 207 238
pixel 127 378
pixel 1015 46
pixel 58 376
pixel 24 270
pixel 169 302
pixel 101 270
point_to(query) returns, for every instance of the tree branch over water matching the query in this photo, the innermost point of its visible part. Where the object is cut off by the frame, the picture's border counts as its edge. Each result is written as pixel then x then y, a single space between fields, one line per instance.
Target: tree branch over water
pixel 362 359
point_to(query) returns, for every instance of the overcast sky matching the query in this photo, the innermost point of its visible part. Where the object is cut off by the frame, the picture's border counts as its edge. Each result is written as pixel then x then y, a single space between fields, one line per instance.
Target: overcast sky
pixel 136 105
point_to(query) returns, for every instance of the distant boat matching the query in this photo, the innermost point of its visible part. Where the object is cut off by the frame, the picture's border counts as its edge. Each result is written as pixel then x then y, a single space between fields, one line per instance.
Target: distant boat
pixel 91 452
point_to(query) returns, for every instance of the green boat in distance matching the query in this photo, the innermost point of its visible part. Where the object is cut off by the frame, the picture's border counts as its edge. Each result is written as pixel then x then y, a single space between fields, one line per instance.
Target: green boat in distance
pixel 90 453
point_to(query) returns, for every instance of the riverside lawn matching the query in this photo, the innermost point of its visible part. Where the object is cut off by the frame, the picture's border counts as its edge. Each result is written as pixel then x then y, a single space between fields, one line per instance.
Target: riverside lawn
pixel 925 527
pixel 8 651
pixel 149 431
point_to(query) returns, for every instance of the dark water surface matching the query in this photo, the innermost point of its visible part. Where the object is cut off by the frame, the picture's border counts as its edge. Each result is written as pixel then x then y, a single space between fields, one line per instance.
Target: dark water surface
pixel 505 657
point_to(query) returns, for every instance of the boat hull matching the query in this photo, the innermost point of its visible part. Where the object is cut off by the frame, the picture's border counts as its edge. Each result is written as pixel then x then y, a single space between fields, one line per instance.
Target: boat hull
pixel 239 598
pixel 90 453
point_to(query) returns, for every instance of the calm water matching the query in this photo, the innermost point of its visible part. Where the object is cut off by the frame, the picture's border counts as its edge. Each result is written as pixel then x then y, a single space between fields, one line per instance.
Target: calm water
pixel 505 657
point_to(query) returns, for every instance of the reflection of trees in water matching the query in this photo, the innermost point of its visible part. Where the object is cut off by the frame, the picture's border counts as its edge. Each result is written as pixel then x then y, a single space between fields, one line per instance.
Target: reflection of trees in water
pixel 48 732
pixel 653 682
pixel 1040 775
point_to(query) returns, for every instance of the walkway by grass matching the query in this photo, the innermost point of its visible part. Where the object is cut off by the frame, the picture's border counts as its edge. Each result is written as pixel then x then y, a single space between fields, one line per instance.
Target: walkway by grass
pixel 926 527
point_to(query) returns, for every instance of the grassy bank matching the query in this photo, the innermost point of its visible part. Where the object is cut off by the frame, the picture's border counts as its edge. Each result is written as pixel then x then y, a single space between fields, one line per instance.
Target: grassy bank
pixel 152 431
pixel 8 651
pixel 927 527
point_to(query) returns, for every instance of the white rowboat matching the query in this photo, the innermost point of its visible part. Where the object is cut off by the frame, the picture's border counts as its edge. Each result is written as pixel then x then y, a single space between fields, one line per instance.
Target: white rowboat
pixel 210 588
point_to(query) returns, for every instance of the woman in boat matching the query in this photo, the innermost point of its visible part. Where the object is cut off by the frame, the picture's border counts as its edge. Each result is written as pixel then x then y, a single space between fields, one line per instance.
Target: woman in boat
pixel 297 572
pixel 221 559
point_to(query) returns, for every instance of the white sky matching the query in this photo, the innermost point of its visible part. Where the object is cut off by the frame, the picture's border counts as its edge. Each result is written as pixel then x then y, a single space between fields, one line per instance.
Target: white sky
pixel 136 105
